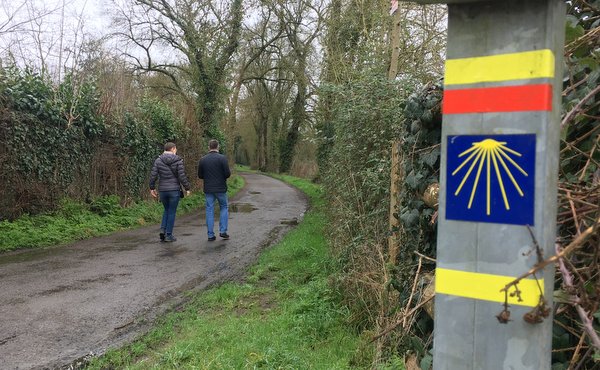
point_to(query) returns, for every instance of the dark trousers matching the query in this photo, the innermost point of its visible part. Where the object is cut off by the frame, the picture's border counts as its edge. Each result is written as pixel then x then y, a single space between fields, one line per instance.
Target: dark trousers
pixel 170 200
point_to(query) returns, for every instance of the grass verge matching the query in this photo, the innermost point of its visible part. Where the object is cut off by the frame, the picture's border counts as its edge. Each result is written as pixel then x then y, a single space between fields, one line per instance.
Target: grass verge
pixel 76 220
pixel 284 316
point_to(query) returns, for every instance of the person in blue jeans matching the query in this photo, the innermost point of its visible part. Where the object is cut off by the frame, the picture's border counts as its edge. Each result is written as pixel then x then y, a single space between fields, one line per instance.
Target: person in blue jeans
pixel 213 168
pixel 169 170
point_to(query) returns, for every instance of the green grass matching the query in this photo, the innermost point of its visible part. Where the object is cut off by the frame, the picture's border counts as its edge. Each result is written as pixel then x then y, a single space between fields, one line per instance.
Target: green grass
pixel 75 221
pixel 284 316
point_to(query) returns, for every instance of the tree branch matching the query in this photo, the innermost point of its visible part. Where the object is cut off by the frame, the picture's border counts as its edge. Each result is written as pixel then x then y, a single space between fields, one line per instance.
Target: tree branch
pixel 576 243
pixel 577 108
pixel 588 325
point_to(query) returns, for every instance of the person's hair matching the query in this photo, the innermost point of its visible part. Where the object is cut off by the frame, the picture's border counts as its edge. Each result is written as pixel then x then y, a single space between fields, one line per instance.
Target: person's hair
pixel 213 144
pixel 169 146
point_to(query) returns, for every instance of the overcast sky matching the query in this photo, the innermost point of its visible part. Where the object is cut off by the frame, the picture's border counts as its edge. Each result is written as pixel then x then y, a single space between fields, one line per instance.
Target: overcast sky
pixel 30 30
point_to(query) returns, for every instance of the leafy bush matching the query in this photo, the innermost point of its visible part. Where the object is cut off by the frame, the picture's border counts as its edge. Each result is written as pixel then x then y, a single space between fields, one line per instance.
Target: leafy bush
pixel 144 132
pixel 141 148
pixel 105 205
pixel 357 218
pixel 420 161
pixel 51 130
pixel 366 119
pixel 48 137
pixel 579 192
pixel 161 119
pixel 75 220
pixel 51 134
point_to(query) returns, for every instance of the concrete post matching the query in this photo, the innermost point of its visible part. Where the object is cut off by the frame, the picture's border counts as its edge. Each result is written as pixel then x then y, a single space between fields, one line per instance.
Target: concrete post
pixel 499 169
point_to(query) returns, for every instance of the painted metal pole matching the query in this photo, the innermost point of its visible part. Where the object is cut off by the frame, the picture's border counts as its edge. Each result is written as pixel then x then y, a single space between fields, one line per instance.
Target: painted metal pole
pixel 499 169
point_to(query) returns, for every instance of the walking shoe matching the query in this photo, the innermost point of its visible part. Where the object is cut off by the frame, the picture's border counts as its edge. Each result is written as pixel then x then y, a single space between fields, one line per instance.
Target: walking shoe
pixel 224 235
pixel 161 235
pixel 212 238
pixel 170 238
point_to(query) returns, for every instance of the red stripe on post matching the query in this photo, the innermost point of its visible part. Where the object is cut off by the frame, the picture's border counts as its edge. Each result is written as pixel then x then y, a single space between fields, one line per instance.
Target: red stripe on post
pixel 498 99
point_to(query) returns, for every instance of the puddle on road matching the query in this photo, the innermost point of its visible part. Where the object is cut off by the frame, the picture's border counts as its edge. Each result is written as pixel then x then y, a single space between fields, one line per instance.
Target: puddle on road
pixel 242 207
pixel 127 238
pixel 233 207
pixel 172 252
pixel 83 284
pixel 31 255
pixel 213 248
pixel 119 246
pixel 289 221
pixel 57 256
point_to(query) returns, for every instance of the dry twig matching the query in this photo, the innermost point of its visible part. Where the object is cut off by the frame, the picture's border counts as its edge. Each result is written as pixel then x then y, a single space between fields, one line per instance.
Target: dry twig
pixel 412 292
pixel 584 316
pixel 399 322
pixel 579 240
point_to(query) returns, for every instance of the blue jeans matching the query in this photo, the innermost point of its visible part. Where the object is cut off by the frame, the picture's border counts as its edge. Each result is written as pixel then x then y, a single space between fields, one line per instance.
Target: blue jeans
pixel 170 200
pixel 210 212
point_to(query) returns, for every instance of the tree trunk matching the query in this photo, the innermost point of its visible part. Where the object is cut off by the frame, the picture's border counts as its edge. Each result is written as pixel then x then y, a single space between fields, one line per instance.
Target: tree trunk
pixel 288 147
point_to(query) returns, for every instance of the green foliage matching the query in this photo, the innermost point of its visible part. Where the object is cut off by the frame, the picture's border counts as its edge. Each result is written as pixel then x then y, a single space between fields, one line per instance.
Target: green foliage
pixel 214 132
pixel 583 76
pixel 80 102
pixel 141 147
pixel 49 135
pixel 161 119
pixel 51 130
pixel 285 316
pixel 366 118
pixel 106 205
pixel 577 172
pixel 74 220
pixel 143 135
pixel 419 161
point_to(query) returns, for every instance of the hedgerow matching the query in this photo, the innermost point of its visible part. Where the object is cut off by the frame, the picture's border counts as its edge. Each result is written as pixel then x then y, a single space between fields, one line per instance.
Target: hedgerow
pixel 56 144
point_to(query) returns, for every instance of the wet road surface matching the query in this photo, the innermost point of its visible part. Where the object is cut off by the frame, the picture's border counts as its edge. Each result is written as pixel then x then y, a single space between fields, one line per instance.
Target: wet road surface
pixel 61 304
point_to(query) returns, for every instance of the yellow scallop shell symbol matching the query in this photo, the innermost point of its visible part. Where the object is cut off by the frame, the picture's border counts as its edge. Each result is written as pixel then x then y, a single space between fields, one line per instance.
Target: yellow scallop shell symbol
pixel 489 153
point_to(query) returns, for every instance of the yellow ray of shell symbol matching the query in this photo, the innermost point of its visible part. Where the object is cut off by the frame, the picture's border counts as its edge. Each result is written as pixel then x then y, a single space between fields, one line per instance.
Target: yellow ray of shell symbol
pixel 489 153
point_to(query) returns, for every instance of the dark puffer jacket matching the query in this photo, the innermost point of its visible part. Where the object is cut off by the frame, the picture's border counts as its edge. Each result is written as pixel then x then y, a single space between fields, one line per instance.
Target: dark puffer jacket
pixel 161 170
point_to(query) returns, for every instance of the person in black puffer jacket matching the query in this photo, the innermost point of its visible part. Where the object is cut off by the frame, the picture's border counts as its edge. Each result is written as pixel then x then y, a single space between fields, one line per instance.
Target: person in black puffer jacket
pixel 168 168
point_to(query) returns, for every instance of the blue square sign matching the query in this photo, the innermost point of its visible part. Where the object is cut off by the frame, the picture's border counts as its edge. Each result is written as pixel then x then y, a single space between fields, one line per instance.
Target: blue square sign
pixel 491 178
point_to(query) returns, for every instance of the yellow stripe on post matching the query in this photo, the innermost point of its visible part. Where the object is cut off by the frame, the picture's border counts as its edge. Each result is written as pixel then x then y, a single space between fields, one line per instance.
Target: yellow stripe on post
pixel 485 287
pixel 502 67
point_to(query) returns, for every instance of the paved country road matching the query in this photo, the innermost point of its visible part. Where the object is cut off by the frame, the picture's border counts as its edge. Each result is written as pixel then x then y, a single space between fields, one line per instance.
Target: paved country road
pixel 61 304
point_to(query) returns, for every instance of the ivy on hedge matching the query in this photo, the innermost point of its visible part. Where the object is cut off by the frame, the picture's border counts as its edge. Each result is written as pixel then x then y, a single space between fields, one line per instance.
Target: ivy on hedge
pixel 419 160
pixel 51 132
pixel 364 121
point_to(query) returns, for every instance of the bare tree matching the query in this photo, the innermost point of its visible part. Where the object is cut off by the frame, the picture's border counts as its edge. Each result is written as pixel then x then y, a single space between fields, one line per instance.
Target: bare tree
pixel 303 22
pixel 45 35
pixel 190 42
pixel 10 22
pixel 259 40
pixel 270 91
pixel 25 34
pixel 422 48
